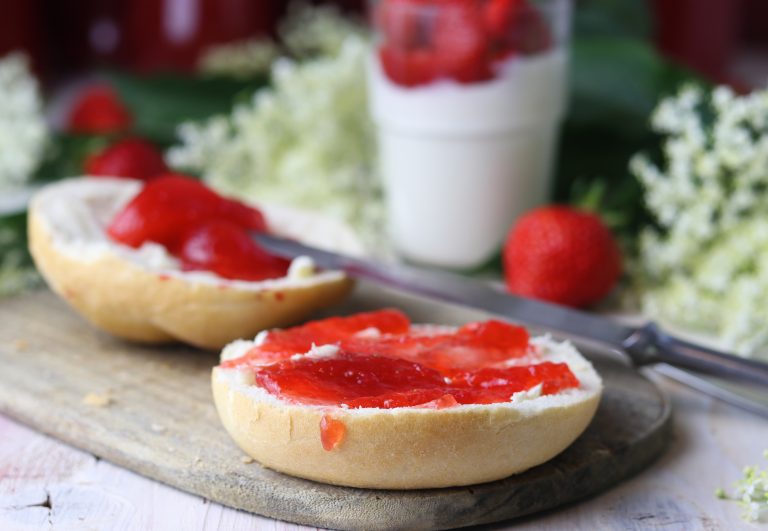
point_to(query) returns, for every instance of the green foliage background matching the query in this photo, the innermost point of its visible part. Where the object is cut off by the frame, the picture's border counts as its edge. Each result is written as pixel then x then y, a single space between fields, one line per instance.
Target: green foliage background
pixel 617 77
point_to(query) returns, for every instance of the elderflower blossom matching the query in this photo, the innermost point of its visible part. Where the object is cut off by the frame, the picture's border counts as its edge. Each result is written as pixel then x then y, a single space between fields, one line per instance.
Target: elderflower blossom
pixel 23 132
pixel 311 31
pixel 306 32
pixel 705 264
pixel 751 493
pixel 306 141
pixel 239 59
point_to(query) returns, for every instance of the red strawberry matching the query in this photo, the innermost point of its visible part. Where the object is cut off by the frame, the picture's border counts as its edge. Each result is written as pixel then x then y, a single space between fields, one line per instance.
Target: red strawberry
pixel 460 43
pixel 99 110
pixel 171 204
pixel 133 158
pixel 562 255
pixel 225 248
pixel 409 68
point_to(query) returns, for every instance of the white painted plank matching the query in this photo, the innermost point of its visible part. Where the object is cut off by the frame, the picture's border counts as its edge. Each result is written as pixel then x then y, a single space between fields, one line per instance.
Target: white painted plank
pixel 712 443
pixel 86 493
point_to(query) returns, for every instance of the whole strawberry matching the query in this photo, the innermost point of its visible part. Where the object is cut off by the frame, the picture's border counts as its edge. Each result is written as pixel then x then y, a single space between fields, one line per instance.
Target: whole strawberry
pixel 562 255
pixel 133 158
pixel 99 110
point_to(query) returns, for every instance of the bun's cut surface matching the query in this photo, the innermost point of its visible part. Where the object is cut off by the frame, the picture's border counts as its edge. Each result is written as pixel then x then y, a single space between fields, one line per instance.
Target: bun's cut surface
pixel 142 294
pixel 458 439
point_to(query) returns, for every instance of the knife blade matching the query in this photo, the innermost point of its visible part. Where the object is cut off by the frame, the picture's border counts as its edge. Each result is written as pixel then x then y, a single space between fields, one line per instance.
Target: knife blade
pixel 647 344
pixel 744 397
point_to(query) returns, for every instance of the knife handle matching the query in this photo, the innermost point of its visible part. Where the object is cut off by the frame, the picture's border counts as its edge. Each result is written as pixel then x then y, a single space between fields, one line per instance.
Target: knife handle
pixel 650 344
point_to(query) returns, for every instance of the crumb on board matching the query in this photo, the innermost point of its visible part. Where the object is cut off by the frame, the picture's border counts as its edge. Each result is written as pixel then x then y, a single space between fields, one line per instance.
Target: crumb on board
pixel 97 399
pixel 157 428
pixel 247 459
pixel 20 345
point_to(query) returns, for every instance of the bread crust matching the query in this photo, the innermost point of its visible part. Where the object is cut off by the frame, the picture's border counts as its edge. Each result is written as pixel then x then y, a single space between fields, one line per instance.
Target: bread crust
pixel 404 448
pixel 139 304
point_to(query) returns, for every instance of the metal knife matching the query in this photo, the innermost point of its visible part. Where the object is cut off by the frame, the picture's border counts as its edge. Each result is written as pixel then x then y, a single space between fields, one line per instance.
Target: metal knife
pixel 644 345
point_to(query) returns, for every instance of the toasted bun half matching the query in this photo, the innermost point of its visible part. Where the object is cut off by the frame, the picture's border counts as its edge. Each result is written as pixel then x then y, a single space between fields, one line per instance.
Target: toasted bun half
pixel 409 448
pixel 141 294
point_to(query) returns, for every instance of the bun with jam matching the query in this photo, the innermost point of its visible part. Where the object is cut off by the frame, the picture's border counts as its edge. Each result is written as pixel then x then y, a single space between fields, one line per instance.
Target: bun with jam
pixel 374 401
pixel 170 260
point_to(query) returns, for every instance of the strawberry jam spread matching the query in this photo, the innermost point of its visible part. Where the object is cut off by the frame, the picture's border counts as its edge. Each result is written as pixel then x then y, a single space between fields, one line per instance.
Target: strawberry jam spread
pixel 380 361
pixel 332 432
pixel 426 40
pixel 204 230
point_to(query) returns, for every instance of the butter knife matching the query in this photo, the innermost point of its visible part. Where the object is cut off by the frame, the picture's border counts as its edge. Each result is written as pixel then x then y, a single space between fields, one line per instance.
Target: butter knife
pixel 645 345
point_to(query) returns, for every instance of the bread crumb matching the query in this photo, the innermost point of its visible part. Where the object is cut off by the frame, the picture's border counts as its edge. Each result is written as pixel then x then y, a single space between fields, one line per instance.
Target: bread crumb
pixel 20 345
pixel 247 459
pixel 97 400
pixel 157 428
pixel 197 460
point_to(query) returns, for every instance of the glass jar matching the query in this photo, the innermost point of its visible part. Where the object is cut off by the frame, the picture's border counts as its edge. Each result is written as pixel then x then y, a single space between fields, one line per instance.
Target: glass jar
pixel 467 98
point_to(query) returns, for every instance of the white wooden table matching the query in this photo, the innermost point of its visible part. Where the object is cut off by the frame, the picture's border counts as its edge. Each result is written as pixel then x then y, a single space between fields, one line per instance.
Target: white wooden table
pixel 45 484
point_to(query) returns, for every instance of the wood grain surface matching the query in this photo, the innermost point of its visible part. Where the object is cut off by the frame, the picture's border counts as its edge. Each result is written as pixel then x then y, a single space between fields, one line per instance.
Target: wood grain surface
pixel 150 410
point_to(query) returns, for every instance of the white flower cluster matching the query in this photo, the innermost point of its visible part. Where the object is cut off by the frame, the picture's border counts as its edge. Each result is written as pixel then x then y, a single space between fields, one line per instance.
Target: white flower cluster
pixel 306 141
pixel 705 265
pixel 311 31
pixel 751 493
pixel 306 32
pixel 239 59
pixel 23 131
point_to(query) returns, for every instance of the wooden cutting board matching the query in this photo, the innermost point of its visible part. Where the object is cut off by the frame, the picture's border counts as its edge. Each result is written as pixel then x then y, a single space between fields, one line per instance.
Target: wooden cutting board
pixel 150 410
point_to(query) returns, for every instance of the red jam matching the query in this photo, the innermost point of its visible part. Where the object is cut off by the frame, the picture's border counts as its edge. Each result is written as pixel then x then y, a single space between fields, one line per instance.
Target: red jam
pixel 204 230
pixel 400 366
pixel 225 248
pixel 425 40
pixel 299 339
pixel 359 381
pixel 332 432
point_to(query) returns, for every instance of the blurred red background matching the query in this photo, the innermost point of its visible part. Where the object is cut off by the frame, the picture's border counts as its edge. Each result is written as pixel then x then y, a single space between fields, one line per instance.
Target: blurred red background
pixel 725 40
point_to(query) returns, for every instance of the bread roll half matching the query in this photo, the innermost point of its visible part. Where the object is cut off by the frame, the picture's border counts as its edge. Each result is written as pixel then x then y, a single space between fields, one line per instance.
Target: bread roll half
pixel 413 447
pixel 142 295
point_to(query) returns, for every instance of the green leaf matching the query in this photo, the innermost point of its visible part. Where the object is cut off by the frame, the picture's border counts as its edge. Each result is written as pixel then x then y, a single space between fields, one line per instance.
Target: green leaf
pixel 66 155
pixel 615 85
pixel 17 270
pixel 13 241
pixel 160 102
pixel 13 234
pixel 613 18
